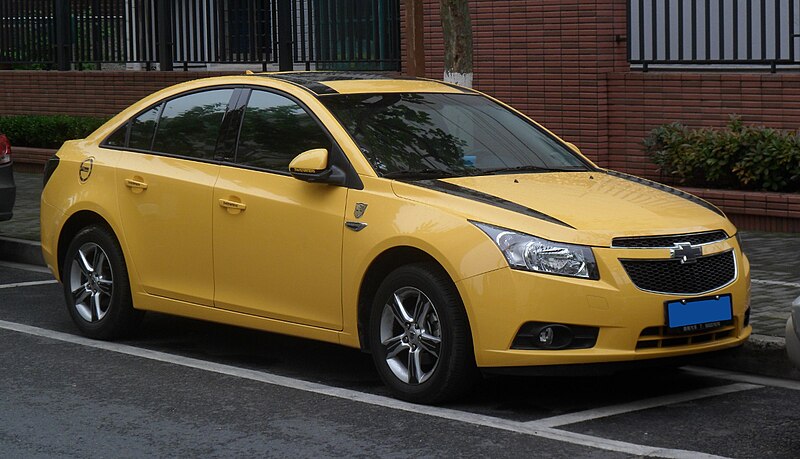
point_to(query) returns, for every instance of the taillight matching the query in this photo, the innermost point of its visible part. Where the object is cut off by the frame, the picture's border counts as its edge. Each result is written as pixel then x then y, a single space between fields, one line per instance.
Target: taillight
pixel 5 149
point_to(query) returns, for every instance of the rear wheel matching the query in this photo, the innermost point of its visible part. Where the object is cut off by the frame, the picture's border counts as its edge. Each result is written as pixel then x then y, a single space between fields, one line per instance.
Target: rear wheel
pixel 96 286
pixel 419 335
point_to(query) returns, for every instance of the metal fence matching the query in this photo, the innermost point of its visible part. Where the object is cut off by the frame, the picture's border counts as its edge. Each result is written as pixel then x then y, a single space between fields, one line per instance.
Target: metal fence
pixel 351 34
pixel 27 31
pixel 345 34
pixel 714 32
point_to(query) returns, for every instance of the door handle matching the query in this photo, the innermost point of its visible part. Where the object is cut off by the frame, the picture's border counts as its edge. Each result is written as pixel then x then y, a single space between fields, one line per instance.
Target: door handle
pixel 232 205
pixel 130 183
pixel 137 186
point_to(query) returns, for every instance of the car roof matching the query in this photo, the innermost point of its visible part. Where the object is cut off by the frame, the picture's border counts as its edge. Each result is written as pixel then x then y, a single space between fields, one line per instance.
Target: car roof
pixel 326 83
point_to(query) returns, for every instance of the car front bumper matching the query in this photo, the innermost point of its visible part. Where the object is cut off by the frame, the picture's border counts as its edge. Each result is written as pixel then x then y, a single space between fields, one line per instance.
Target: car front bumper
pixel 793 334
pixel 8 191
pixel 630 322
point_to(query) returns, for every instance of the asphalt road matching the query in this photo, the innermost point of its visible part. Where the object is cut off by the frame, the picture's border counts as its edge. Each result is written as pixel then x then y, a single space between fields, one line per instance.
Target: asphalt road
pixel 184 388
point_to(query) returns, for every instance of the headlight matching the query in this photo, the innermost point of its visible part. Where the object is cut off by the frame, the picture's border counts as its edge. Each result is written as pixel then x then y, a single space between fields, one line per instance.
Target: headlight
pixel 530 253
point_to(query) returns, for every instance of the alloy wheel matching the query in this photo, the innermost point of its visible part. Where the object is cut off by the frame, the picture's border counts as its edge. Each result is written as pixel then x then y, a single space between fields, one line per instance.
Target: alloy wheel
pixel 410 332
pixel 91 282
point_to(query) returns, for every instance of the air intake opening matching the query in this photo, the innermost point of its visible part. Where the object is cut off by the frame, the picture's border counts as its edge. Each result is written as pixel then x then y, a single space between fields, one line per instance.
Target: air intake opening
pixel 657 337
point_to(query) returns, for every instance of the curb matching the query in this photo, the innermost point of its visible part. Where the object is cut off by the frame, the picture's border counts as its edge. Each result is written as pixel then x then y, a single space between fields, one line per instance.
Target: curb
pixel 21 251
pixel 761 354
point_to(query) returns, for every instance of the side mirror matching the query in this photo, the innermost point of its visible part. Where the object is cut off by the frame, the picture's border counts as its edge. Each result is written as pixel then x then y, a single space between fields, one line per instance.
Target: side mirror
pixel 312 166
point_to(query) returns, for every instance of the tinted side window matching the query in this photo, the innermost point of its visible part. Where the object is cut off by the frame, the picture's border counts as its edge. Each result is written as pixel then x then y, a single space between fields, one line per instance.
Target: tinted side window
pixel 189 125
pixel 117 139
pixel 274 130
pixel 142 129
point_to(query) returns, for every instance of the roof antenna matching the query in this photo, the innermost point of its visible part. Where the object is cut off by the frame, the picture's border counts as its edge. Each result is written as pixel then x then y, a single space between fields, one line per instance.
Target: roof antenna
pixel 248 72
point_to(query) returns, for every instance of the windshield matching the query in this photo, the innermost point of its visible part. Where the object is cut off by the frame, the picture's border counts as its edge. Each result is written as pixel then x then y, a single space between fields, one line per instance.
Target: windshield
pixel 409 135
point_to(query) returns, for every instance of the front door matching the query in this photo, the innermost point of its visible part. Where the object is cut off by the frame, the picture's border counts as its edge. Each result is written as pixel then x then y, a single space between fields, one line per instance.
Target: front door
pixel 277 240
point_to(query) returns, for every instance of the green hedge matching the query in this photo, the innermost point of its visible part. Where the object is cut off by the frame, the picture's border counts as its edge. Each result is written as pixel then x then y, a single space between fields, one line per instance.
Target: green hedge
pixel 737 157
pixel 47 131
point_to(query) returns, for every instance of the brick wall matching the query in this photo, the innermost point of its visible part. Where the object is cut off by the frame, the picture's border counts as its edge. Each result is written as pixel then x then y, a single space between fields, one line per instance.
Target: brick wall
pixel 81 93
pixel 756 211
pixel 638 102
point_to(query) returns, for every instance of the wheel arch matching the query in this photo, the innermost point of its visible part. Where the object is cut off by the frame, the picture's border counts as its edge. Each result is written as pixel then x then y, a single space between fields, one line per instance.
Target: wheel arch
pixel 387 261
pixel 74 224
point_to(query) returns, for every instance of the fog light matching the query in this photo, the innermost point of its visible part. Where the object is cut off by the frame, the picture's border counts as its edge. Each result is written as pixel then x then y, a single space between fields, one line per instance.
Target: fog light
pixel 549 336
pixel 546 336
pixel 746 318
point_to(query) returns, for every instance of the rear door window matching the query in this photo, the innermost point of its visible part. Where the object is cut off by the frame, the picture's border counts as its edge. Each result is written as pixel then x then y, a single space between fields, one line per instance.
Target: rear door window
pixel 190 125
pixel 142 129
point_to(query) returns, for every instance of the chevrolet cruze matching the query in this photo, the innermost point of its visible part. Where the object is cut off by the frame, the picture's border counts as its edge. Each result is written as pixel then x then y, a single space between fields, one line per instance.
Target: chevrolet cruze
pixel 431 225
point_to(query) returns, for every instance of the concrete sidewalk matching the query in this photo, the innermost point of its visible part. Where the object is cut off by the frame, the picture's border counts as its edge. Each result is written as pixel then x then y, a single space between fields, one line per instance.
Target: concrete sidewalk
pixel 774 262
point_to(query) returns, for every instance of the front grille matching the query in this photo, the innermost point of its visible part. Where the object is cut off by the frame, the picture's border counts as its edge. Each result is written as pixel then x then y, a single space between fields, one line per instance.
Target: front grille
pixel 656 337
pixel 649 242
pixel 671 276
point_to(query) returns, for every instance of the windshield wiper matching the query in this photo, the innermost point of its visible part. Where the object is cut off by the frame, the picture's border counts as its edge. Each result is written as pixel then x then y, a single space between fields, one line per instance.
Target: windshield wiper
pixel 507 170
pixel 419 173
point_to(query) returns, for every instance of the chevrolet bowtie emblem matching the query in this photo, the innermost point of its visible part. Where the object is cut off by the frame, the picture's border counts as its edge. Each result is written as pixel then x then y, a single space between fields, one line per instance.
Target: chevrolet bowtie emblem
pixel 686 252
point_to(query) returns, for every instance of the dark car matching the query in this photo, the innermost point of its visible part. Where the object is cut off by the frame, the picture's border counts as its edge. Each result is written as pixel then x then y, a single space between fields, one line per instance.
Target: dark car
pixel 8 190
pixel 793 334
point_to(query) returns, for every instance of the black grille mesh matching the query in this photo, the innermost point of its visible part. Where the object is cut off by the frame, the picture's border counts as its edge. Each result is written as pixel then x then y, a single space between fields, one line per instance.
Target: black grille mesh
pixel 664 340
pixel 669 241
pixel 670 276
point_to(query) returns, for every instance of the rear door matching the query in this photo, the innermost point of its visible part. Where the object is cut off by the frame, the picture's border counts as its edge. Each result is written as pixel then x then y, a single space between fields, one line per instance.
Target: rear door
pixel 164 185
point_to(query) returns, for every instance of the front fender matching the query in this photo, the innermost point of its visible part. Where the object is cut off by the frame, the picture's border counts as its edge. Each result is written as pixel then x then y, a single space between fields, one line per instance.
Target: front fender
pixel 461 249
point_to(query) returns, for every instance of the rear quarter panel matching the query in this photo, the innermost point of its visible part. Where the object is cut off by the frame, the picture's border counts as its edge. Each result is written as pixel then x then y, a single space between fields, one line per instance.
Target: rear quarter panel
pixel 66 194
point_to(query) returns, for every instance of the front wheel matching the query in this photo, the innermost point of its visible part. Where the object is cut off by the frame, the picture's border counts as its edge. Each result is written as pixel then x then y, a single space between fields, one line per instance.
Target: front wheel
pixel 419 335
pixel 96 286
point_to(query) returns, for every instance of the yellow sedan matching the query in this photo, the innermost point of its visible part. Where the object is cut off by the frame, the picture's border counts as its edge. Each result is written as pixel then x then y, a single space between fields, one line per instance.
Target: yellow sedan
pixel 427 223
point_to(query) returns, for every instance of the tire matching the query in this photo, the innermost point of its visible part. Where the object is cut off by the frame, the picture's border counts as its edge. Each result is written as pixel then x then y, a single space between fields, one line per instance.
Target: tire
pixel 419 336
pixel 96 286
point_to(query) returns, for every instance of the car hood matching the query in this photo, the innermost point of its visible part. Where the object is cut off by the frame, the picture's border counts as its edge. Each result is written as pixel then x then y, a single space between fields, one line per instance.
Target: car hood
pixel 603 203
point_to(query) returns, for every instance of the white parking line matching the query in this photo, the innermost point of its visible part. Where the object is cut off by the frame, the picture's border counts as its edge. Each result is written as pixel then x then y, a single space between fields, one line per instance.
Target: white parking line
pixel 639 405
pixel 779 283
pixel 29 284
pixel 25 267
pixel 532 429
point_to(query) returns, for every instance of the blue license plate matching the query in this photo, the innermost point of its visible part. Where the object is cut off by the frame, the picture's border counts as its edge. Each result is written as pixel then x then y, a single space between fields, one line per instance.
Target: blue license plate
pixel 697 314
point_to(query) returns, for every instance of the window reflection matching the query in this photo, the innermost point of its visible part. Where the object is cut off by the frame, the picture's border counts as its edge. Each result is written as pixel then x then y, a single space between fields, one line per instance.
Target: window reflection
pixel 189 125
pixel 275 129
pixel 142 129
pixel 459 134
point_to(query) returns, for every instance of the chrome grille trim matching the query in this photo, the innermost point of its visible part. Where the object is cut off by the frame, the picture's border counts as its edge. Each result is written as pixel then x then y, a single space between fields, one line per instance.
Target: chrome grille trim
pixel 668 241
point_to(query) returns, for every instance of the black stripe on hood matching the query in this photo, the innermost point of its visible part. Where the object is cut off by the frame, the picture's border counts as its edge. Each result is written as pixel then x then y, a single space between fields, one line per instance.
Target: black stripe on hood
pixel 468 193
pixel 666 189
